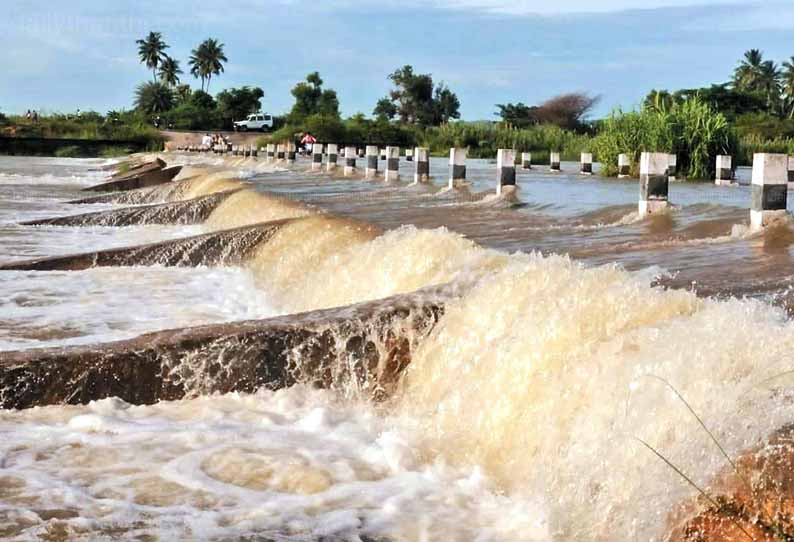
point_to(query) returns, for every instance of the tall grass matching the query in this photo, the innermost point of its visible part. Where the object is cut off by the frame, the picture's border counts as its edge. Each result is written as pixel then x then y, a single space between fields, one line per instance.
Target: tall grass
pixel 752 144
pixel 483 139
pixel 692 130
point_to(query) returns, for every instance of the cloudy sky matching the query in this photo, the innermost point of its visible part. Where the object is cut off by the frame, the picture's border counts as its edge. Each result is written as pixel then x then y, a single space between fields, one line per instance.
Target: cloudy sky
pixel 82 53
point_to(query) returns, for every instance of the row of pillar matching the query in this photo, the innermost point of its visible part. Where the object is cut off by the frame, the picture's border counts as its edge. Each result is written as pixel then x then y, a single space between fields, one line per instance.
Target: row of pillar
pixel 771 172
pixel 769 186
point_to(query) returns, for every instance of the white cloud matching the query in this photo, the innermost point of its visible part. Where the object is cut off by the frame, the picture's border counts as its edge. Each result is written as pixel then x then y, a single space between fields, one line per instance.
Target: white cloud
pixel 546 7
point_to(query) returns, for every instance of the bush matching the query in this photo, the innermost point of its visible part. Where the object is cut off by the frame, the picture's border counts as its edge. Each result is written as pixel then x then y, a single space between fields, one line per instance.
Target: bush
pixel 69 151
pixel 691 129
pixel 752 144
pixel 483 139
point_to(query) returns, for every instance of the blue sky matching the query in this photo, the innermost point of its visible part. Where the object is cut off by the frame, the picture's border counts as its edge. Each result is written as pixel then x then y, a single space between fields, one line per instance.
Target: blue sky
pixel 81 53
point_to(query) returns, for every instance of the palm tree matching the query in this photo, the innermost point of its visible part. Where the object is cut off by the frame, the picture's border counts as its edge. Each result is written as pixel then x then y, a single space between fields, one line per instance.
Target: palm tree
pixel 152 98
pixel 207 60
pixel 169 71
pixel 151 51
pixel 746 74
pixel 787 81
pixel 768 83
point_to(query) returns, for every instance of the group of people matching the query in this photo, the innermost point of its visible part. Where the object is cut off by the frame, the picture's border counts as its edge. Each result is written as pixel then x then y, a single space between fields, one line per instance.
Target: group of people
pixel 32 115
pixel 209 141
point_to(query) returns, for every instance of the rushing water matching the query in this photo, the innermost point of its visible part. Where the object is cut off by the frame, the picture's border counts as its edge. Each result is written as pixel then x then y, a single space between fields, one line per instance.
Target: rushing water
pixel 518 416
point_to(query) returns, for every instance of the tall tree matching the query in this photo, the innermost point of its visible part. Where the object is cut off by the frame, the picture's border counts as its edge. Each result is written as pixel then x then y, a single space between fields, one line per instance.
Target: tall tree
pixel 787 80
pixel 169 71
pixel 238 103
pixel 447 105
pixel 207 60
pixel 769 83
pixel 747 73
pixel 151 51
pixel 417 100
pixel 566 111
pixel 312 99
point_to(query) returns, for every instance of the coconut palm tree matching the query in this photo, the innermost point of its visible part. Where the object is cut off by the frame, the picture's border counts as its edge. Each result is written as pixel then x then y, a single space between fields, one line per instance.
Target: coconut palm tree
pixel 207 60
pixel 152 98
pixel 787 82
pixel 151 51
pixel 169 71
pixel 746 74
pixel 768 83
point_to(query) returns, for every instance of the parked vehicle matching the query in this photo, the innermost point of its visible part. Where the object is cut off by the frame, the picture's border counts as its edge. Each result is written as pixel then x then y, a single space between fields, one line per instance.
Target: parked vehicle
pixel 257 121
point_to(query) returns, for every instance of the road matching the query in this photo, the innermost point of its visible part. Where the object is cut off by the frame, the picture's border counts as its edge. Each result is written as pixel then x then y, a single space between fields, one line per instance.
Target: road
pixel 183 138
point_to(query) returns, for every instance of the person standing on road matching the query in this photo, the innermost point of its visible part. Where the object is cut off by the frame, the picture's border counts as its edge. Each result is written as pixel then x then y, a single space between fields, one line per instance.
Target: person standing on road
pixel 307 141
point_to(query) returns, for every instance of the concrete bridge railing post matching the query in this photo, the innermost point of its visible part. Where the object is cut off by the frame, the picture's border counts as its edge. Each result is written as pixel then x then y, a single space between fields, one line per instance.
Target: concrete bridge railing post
pixel 332 150
pixel 457 167
pixel 350 161
pixel 769 188
pixel 372 162
pixel 392 174
pixel 724 171
pixel 506 168
pixel 526 160
pixel 624 166
pixel 586 163
pixel 654 182
pixel 422 165
pixel 672 165
pixel 554 162
pixel 317 156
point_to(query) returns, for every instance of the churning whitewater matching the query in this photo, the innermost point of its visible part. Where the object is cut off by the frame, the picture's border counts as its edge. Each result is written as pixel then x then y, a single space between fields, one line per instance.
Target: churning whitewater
pixel 570 337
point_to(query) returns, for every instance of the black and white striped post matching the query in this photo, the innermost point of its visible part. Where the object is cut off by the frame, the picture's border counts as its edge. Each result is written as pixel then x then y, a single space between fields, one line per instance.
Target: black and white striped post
pixel 422 165
pixel 271 152
pixel 654 182
pixel 383 153
pixel 526 160
pixel 392 174
pixel 457 167
pixel 235 151
pixel 372 162
pixel 350 161
pixel 791 170
pixel 409 155
pixel 281 152
pixel 506 168
pixel 624 166
pixel 769 189
pixel 254 151
pixel 317 156
pixel 360 152
pixel 672 166
pixel 586 163
pixel 724 171
pixel 332 156
pixel 554 162
pixel 291 151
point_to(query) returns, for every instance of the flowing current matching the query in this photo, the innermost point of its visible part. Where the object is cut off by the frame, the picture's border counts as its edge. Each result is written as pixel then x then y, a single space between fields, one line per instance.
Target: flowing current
pixel 518 417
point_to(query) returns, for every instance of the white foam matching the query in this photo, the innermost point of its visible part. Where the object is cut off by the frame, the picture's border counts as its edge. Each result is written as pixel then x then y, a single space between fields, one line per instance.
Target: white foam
pixel 61 308
pixel 233 466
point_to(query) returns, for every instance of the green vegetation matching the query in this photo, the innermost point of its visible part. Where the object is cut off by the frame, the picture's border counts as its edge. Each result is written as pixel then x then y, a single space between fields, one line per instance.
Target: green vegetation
pixel 416 100
pixel 692 129
pixel 484 138
pixel 566 111
pixel 207 60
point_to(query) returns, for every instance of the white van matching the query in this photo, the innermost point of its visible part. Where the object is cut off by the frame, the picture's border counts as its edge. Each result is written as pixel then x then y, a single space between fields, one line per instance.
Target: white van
pixel 257 121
